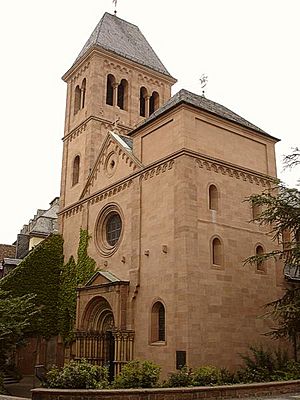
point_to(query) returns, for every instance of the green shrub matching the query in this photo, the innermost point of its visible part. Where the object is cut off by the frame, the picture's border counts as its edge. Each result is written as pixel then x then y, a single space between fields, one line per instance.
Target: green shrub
pixel 137 374
pixel 77 375
pixel 181 378
pixel 207 376
pixel 264 366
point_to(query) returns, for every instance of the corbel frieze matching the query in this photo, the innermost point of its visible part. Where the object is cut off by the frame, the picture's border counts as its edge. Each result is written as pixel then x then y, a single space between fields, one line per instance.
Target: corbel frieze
pixel 80 72
pixel 77 132
pixel 233 172
pixel 117 67
pixel 157 170
pixel 149 81
pixel 110 192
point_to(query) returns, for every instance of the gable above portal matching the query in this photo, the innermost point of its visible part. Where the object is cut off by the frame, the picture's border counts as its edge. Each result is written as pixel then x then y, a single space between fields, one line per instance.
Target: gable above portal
pixel 114 163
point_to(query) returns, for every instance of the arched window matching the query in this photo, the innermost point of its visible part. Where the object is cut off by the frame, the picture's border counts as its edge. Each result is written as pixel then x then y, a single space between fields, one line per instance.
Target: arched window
pixel 123 94
pixel 217 252
pixel 110 90
pixel 83 87
pixel 259 251
pixel 76 168
pixel 158 323
pixel 153 103
pixel 77 99
pixel 213 197
pixel 143 95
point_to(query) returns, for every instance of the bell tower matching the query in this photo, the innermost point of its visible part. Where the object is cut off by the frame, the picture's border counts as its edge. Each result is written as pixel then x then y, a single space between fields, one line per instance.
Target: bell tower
pixel 116 81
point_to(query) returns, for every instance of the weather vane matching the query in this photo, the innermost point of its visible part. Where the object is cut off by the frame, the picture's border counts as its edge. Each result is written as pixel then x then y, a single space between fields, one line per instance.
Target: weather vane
pixel 203 80
pixel 115 3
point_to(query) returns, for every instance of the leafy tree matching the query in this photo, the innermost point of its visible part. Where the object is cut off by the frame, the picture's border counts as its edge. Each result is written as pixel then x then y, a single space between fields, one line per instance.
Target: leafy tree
pixel 280 210
pixel 15 316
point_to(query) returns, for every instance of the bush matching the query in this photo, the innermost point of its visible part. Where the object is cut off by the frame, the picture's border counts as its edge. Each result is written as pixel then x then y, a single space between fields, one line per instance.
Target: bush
pixel 181 378
pixel 77 375
pixel 207 375
pixel 265 366
pixel 137 374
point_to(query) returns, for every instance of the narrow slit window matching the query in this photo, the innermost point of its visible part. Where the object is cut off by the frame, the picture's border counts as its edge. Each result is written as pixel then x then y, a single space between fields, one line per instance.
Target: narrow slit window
pixel 76 169
pixel 213 197
pixel 217 252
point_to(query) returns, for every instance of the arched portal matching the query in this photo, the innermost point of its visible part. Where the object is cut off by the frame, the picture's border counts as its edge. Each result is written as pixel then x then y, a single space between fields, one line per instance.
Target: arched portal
pixel 95 342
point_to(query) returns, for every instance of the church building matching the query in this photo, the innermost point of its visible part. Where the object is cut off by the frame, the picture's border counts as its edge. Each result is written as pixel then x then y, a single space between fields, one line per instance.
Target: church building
pixel 160 183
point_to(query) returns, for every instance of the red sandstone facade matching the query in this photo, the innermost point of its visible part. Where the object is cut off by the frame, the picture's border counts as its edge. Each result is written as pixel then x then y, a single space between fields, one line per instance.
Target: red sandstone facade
pixel 160 184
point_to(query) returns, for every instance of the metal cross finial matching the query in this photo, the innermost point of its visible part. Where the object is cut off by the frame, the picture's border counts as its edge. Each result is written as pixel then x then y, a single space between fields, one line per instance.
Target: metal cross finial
pixel 115 3
pixel 203 80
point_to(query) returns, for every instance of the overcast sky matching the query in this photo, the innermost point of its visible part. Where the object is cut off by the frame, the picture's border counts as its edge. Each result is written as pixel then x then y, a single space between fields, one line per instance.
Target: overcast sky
pixel 248 48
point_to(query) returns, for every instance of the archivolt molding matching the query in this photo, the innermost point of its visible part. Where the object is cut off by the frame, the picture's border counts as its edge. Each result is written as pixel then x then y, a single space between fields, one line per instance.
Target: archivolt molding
pixel 111 65
pixel 80 72
pixel 233 172
pixel 157 170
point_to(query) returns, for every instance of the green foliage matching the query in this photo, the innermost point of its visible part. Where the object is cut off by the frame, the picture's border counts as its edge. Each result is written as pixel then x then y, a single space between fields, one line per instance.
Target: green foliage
pixel 207 375
pixel 210 375
pixel 85 264
pixel 67 300
pixel 78 375
pixel 38 274
pixel 181 378
pixel 73 274
pixel 264 366
pixel 16 314
pixel 137 374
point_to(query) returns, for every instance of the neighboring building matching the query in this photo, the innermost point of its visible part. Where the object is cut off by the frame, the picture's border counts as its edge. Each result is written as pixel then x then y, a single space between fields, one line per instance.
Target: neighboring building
pixel 160 184
pixel 39 227
pixel 6 251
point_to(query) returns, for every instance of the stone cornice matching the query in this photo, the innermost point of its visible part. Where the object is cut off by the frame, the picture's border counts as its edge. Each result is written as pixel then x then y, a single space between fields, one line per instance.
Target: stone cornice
pixel 122 129
pixel 167 163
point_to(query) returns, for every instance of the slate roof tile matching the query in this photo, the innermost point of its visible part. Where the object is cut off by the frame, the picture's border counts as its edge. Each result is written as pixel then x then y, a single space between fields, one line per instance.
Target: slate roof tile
pixel 201 102
pixel 125 39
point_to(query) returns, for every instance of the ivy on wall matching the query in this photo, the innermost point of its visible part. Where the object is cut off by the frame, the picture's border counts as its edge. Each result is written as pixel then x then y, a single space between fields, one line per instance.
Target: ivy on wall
pixel 39 274
pixel 43 274
pixel 73 275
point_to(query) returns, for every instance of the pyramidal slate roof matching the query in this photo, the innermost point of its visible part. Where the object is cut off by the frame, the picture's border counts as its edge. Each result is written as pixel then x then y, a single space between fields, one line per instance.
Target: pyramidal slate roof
pixel 201 102
pixel 125 39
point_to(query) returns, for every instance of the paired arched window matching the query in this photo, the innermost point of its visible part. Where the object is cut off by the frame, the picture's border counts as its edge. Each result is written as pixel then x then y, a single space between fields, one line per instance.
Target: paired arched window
pixel 143 96
pixel 83 88
pixel 259 251
pixel 116 94
pixel 110 89
pixel 122 94
pixel 158 322
pixel 148 104
pixel 76 170
pixel 213 197
pixel 217 252
pixel 153 103
pixel 79 99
